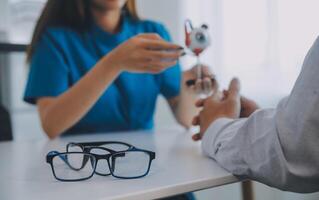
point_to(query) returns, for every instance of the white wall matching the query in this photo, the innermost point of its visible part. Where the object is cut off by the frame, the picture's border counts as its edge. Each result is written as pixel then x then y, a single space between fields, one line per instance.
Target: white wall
pixel 4 11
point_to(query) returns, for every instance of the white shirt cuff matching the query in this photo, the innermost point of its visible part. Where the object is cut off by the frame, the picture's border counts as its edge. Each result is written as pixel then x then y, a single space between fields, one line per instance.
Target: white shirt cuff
pixel 209 146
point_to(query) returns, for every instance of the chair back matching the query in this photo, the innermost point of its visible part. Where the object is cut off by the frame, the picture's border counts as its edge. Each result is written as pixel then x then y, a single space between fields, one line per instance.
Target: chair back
pixel 5 125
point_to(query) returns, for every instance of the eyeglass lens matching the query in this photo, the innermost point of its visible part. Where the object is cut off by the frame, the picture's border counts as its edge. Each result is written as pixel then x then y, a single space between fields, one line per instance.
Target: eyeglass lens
pixel 102 167
pixel 69 166
pixel 130 164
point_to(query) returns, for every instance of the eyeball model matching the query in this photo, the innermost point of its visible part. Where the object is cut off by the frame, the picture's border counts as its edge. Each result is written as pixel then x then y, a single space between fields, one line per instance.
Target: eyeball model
pixel 197 39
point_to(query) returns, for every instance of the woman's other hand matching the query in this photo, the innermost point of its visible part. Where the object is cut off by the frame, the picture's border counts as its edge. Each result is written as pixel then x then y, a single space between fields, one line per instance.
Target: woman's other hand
pixel 183 106
pixel 145 53
pixel 206 85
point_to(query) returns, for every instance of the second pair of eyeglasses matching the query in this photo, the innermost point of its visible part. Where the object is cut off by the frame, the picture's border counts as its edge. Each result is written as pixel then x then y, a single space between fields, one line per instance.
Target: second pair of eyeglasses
pixel 82 160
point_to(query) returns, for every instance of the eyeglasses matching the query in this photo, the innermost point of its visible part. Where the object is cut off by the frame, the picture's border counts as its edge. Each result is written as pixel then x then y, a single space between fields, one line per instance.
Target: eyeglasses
pixel 82 160
pixel 99 148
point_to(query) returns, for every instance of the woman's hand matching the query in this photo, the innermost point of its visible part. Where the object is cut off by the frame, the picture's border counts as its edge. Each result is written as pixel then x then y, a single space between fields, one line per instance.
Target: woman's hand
pixel 145 53
pixel 183 106
pixel 206 85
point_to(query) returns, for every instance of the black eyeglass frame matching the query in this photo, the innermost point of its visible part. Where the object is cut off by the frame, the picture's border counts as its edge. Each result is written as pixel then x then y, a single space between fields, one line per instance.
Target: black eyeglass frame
pixel 112 155
pixel 88 146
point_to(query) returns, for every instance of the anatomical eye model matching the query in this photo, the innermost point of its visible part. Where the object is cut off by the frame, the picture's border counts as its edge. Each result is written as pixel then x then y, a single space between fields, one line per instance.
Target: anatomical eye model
pixel 196 40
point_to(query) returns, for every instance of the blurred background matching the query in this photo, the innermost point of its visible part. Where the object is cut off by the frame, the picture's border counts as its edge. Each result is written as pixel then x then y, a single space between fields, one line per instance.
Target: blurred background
pixel 262 42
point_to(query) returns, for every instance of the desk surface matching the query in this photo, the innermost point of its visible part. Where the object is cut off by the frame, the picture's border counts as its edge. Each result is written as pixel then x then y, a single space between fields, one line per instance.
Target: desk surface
pixel 179 167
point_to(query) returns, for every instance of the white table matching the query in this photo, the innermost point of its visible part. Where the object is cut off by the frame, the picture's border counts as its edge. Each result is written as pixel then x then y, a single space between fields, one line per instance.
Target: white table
pixel 179 167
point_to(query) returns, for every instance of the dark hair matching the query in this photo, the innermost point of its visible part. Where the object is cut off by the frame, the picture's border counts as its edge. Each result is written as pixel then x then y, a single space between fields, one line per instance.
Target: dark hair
pixel 75 14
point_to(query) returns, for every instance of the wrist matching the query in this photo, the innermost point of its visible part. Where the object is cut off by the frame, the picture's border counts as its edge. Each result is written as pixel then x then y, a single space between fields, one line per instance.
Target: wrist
pixel 109 64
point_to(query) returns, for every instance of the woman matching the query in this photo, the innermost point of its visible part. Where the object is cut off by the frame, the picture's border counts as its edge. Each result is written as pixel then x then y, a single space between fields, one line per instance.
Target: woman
pixel 96 67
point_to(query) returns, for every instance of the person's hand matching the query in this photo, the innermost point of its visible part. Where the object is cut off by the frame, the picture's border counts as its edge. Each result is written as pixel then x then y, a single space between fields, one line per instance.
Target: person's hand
pixel 248 106
pixel 215 107
pixel 207 84
pixel 145 53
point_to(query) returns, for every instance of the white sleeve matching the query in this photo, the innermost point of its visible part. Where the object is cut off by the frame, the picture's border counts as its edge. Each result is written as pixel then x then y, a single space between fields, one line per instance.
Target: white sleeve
pixel 278 147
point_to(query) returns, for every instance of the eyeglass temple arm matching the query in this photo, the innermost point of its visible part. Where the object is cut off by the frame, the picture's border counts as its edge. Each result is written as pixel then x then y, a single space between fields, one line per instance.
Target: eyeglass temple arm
pixel 51 154
pixel 100 143
pixel 151 153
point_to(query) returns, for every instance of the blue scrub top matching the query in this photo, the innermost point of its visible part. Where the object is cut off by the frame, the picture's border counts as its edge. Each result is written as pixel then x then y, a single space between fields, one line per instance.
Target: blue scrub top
pixel 63 56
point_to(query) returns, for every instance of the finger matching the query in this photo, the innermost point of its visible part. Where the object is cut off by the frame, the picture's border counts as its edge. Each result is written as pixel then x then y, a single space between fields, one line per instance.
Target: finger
pixel 192 87
pixel 244 100
pixel 200 103
pixel 153 36
pixel 214 84
pixel 157 65
pixel 216 95
pixel 248 103
pixel 164 55
pixel 160 66
pixel 207 83
pixel 220 95
pixel 225 94
pixel 196 120
pixel 234 88
pixel 160 45
pixel 198 86
pixel 196 137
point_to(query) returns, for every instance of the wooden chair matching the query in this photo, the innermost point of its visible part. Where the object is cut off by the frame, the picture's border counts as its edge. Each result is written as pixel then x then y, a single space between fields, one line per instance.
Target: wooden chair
pixel 5 122
pixel 5 125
